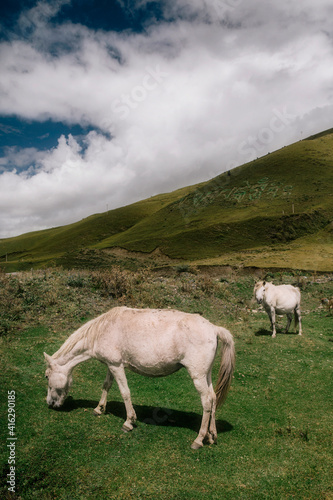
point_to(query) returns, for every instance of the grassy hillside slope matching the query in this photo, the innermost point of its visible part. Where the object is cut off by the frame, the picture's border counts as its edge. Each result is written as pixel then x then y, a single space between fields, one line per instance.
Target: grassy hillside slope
pixel 49 246
pixel 274 212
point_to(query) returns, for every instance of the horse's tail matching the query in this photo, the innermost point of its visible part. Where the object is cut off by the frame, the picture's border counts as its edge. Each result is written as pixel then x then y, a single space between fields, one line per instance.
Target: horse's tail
pixel 227 365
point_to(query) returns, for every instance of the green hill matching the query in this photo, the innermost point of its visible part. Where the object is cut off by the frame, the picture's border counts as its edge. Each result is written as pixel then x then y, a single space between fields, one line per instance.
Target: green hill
pixel 275 211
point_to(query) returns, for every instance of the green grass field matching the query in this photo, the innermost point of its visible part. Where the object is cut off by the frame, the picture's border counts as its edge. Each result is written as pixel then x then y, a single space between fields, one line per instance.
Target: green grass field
pixel 275 429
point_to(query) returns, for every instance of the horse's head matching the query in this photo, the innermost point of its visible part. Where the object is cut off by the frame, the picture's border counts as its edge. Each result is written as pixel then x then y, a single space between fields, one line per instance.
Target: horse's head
pixel 59 383
pixel 259 291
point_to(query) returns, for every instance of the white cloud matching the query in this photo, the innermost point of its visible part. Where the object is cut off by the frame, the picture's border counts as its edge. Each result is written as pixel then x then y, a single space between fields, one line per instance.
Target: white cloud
pixel 224 82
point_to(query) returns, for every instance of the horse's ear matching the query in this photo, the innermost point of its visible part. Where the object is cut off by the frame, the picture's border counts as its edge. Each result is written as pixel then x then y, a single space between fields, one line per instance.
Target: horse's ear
pixel 264 283
pixel 48 359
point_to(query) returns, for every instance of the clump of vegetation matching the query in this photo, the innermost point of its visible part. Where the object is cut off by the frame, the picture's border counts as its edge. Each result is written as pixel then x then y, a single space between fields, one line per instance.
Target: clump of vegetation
pixel 11 310
pixel 51 297
pixel 114 283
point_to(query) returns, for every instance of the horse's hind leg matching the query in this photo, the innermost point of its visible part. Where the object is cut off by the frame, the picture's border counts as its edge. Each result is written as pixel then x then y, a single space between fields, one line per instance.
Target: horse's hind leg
pixel 207 404
pixel 212 433
pixel 290 318
pixel 298 320
pixel 101 407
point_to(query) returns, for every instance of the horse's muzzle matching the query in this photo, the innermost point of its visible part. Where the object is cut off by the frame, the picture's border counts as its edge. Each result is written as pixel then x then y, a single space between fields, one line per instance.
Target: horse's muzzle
pixel 53 404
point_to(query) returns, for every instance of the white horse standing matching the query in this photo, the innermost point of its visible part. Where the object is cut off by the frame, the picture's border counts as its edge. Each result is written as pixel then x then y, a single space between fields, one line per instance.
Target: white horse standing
pixel 281 299
pixel 150 342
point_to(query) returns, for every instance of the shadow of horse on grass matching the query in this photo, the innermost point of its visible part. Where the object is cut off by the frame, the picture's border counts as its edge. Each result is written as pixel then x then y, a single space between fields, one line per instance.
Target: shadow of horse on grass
pixel 149 415
pixel 268 333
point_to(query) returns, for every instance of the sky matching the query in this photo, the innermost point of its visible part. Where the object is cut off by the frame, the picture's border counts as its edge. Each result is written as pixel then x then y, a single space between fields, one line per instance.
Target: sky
pixel 107 102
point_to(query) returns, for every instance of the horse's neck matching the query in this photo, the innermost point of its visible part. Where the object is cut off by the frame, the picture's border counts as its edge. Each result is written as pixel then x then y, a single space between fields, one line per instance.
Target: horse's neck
pixel 71 363
pixel 73 357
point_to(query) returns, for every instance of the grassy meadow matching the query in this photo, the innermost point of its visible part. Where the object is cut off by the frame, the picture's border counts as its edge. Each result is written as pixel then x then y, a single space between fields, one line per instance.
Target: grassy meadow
pixel 274 431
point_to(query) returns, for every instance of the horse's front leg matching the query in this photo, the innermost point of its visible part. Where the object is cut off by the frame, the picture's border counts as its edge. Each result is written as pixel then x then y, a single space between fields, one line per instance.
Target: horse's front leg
pixel 272 318
pixel 120 376
pixel 289 320
pixel 101 407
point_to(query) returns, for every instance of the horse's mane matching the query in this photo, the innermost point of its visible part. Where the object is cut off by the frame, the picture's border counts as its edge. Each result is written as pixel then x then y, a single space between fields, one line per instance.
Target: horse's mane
pixel 89 333
pixel 86 333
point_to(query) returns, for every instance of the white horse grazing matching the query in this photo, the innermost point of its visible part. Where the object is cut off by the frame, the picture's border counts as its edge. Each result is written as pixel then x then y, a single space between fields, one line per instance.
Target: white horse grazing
pixel 150 342
pixel 282 299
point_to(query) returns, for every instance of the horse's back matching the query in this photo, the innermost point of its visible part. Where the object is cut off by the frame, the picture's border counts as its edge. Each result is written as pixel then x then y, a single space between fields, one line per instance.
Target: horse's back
pixel 156 341
pixel 283 297
pixel 164 327
pixel 291 291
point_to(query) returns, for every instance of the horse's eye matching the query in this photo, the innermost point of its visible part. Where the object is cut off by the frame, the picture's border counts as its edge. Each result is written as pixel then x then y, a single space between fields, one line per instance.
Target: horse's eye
pixel 46 376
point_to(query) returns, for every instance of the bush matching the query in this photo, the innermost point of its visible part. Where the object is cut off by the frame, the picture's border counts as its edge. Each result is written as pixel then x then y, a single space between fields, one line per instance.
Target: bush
pixel 208 286
pixel 11 309
pixel 113 283
pixel 76 281
pixel 183 268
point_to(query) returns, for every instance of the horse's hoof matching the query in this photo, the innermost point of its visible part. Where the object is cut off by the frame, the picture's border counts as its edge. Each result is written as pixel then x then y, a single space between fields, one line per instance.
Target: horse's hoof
pixel 196 446
pixel 97 413
pixel 212 440
pixel 126 428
